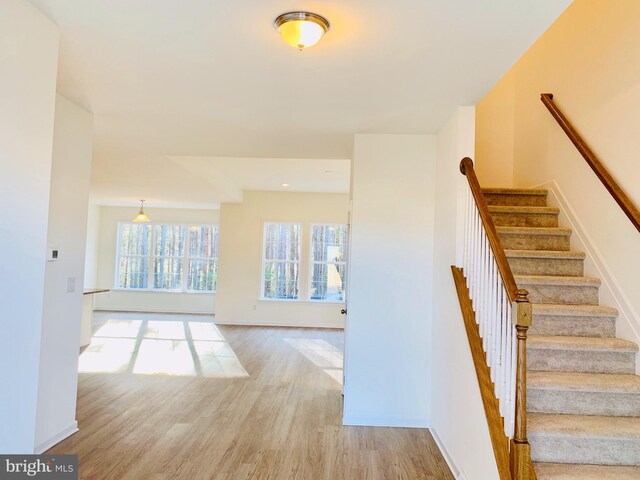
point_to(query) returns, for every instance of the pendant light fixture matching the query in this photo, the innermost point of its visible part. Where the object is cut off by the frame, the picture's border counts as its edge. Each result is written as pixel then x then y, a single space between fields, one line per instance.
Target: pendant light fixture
pixel 141 217
pixel 301 29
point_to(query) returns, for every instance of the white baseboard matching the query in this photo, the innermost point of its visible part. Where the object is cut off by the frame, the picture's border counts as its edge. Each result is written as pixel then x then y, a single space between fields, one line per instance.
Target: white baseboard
pixel 611 292
pixel 151 310
pixel 57 438
pixel 457 474
pixel 356 421
pixel 339 326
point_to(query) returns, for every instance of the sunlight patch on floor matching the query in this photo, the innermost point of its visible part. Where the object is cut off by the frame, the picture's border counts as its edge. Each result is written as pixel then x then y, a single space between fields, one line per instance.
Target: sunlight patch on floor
pixel 119 329
pixel 324 355
pixel 164 357
pixel 108 355
pixel 161 347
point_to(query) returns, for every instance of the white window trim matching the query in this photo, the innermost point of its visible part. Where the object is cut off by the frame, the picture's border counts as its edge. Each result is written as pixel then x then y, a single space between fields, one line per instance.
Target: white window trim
pixel 185 259
pixel 262 296
pixel 312 262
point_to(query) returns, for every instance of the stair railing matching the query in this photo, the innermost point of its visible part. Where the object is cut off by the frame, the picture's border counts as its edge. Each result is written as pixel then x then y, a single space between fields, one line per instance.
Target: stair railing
pixel 503 316
pixel 596 165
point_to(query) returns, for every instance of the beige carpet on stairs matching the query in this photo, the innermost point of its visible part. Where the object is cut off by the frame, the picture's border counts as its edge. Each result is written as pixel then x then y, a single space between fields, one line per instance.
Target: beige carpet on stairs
pixel 583 397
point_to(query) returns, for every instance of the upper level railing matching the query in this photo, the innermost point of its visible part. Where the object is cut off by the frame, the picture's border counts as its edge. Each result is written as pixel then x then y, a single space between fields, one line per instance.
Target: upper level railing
pixel 596 165
pixel 502 313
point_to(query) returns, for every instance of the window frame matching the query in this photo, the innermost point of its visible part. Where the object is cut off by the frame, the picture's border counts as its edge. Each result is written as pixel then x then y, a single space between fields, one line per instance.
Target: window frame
pixel 152 256
pixel 312 262
pixel 264 261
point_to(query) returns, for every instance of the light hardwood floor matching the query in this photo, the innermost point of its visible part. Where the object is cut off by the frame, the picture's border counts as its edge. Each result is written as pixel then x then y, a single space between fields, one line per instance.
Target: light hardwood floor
pixel 175 397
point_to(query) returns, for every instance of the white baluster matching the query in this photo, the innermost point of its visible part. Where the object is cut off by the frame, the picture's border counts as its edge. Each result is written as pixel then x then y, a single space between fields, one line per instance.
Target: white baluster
pixel 485 293
pixel 472 240
pixel 476 268
pixel 482 287
pixel 494 331
pixel 509 367
pixel 467 234
pixel 476 251
pixel 498 340
pixel 494 310
pixel 505 345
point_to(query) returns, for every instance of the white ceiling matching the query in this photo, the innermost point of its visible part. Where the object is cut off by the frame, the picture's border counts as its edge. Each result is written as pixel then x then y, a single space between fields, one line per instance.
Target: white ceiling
pixel 197 182
pixel 212 78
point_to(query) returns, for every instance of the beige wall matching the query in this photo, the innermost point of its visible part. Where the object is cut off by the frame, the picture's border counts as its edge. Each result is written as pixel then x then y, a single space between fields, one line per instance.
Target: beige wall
pixel 240 258
pixel 589 60
pixel 146 301
pixel 495 117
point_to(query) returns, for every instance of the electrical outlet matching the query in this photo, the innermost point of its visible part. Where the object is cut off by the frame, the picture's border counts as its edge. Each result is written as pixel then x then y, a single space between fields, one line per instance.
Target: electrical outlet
pixel 71 284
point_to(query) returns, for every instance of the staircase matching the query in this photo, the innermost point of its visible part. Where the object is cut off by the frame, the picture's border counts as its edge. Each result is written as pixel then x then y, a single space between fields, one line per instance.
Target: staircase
pixel 583 397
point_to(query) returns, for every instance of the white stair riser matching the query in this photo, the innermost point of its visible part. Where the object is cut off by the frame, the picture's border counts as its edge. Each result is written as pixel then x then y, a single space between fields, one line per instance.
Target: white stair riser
pixel 508 219
pixel 587 361
pixel 573 402
pixel 547 266
pixel 578 326
pixel 571 449
pixel 524 241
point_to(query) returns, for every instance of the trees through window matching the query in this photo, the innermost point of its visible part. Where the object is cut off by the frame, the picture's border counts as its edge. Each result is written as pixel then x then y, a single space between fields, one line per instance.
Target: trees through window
pixel 281 261
pixel 328 262
pixel 167 257
pixel 282 264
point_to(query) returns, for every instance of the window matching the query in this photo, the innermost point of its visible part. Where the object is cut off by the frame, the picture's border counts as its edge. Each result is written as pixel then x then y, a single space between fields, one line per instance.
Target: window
pixel 281 261
pixel 328 266
pixel 167 257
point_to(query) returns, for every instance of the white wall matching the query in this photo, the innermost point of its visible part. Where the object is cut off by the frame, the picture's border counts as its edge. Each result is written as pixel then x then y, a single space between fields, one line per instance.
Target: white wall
pixel 588 60
pixel 29 57
pixel 458 417
pixel 92 249
pixel 388 331
pixel 68 204
pixel 240 266
pixel 147 301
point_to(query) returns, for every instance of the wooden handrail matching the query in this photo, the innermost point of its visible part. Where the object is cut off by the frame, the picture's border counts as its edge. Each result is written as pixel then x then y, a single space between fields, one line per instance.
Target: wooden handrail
pixel 466 167
pixel 596 165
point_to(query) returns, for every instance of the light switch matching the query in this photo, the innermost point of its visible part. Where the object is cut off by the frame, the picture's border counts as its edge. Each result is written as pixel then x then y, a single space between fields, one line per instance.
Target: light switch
pixel 53 254
pixel 71 284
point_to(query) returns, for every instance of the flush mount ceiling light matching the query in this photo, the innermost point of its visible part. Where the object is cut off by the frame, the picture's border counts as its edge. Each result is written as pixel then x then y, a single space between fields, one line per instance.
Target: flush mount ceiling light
pixel 141 217
pixel 301 29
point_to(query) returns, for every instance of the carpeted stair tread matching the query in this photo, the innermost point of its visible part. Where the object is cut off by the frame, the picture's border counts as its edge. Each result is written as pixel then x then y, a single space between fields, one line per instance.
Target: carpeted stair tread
pixel 517 209
pixel 580 343
pixel 514 191
pixel 557 280
pixel 574 310
pixel 561 254
pixel 568 471
pixel 585 426
pixel 535 230
pixel 584 382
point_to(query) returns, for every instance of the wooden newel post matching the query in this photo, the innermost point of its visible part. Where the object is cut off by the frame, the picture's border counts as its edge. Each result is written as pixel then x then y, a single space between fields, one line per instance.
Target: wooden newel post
pixel 520 449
